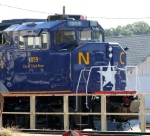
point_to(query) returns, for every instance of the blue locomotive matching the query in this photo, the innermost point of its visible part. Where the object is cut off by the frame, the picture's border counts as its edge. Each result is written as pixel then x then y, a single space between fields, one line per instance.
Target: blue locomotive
pixel 49 56
pixel 63 54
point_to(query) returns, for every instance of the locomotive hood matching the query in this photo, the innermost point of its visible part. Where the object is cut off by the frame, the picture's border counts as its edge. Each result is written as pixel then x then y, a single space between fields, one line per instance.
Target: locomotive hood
pixel 97 58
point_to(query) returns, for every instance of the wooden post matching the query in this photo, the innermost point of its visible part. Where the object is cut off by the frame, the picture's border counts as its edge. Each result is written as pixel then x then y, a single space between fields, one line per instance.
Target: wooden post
pixel 66 109
pixel 103 115
pixel 32 112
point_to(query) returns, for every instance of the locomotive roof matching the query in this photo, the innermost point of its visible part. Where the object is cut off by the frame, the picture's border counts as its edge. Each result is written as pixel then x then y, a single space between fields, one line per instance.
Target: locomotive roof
pixel 19 21
pixel 37 25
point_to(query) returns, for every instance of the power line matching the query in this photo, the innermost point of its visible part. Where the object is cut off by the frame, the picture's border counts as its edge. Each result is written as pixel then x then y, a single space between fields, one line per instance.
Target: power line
pixel 120 18
pixel 26 9
pixel 55 13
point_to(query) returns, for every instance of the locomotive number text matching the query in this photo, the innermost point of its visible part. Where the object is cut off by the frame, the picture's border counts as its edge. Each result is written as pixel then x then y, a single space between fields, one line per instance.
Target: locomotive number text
pixel 33 59
pixel 75 23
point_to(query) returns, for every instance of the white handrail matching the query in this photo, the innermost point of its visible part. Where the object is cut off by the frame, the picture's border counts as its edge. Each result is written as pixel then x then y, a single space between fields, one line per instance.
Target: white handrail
pixel 78 87
pixel 101 69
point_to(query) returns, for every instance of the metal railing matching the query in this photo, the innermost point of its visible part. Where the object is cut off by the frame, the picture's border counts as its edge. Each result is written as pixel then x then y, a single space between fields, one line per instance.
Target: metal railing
pixel 66 112
pixel 113 69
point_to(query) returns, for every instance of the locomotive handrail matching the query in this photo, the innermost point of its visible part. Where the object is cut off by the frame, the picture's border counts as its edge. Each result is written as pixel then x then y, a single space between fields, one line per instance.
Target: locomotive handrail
pixel 101 88
pixel 78 87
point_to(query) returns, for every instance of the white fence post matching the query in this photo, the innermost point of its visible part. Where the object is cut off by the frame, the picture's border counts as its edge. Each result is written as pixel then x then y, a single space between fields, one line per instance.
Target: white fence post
pixel 32 112
pixel 66 116
pixel 142 113
pixel 103 111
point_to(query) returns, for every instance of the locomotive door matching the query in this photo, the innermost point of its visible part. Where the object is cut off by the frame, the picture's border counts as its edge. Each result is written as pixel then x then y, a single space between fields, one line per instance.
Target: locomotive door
pixel 39 62
pixel 32 62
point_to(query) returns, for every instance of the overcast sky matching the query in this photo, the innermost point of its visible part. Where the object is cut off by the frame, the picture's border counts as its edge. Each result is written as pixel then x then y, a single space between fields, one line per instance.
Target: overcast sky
pixel 91 8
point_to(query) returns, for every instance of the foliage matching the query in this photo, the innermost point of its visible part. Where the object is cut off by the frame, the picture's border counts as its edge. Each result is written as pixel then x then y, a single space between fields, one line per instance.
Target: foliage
pixel 137 28
pixel 7 132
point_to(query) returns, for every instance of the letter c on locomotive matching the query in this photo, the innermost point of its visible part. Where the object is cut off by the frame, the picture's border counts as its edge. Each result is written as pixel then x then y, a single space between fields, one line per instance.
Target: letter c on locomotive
pixel 121 53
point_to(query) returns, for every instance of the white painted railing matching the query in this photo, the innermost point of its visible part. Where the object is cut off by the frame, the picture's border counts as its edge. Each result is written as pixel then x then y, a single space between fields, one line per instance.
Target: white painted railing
pixel 66 113
pixel 112 79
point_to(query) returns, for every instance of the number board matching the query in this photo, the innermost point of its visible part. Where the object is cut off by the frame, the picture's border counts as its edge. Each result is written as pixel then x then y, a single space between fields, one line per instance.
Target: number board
pixel 74 23
pixel 33 59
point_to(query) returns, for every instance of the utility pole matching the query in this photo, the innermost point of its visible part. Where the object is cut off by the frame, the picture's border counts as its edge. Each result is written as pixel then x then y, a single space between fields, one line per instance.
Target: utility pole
pixel 64 10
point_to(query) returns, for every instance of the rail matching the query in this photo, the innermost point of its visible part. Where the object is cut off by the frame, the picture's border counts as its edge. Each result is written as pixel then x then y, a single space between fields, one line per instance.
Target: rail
pixel 66 112
pixel 88 133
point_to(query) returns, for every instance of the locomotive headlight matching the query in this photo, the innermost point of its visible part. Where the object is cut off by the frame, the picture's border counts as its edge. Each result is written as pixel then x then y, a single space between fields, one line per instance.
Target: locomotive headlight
pixel 110 48
pixel 110 55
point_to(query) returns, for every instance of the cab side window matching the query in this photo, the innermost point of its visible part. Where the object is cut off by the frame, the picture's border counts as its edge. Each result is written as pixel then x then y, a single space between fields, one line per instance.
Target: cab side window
pixel 21 43
pixel 30 43
pixel 44 40
pixel 63 36
pixel 39 42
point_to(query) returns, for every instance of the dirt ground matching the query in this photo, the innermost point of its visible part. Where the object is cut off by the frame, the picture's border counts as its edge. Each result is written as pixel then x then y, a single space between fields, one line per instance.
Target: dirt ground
pixel 10 133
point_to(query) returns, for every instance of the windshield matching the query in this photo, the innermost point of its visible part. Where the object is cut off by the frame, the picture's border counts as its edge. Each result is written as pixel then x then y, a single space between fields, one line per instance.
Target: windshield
pixel 85 35
pixel 98 36
pixel 63 36
pixel 7 37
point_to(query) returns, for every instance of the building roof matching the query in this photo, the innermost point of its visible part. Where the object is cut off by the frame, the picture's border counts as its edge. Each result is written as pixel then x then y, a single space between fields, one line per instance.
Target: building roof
pixel 139 47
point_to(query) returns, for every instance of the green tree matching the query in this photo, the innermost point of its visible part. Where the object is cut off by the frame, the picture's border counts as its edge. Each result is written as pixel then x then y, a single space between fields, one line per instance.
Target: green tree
pixel 137 28
pixel 109 32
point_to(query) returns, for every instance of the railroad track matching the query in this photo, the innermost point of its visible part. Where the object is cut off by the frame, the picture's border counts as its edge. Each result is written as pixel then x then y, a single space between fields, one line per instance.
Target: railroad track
pixel 90 133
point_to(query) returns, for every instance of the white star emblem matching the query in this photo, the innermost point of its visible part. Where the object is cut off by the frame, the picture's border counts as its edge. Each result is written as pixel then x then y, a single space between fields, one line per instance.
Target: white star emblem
pixel 109 76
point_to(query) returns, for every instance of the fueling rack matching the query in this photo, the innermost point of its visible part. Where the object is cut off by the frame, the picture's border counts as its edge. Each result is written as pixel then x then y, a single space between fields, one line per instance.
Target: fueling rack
pixel 66 112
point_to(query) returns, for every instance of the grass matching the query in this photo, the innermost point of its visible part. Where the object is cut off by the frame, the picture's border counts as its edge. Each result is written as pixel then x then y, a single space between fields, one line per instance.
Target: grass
pixel 7 132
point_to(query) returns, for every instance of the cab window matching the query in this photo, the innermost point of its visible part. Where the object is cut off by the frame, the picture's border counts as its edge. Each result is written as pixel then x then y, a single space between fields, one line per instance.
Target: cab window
pixel 2 39
pixel 40 42
pixel 30 42
pixel 7 37
pixel 37 42
pixel 44 41
pixel 98 36
pixel 63 36
pixel 21 43
pixel 85 35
